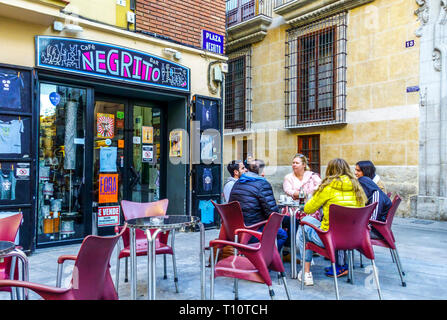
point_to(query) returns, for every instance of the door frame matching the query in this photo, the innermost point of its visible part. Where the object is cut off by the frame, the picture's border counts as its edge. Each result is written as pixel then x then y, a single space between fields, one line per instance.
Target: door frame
pixel 88 159
pixel 129 105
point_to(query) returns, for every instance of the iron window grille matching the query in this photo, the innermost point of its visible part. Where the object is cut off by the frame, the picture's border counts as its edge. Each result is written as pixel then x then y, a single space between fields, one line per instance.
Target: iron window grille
pixel 315 76
pixel 238 91
pixel 310 147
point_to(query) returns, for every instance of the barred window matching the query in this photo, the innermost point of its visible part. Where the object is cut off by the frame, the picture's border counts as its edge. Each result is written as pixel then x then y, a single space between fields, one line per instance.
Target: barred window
pixel 310 147
pixel 238 91
pixel 316 73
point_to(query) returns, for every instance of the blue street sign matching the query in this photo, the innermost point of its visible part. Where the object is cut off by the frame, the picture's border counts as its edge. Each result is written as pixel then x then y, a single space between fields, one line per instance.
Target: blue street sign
pixel 212 42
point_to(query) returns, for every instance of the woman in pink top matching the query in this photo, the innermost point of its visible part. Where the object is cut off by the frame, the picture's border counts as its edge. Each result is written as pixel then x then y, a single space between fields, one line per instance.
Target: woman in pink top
pixel 301 177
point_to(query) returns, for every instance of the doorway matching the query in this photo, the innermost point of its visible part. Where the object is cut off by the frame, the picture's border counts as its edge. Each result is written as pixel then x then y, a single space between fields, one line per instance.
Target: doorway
pixel 127 158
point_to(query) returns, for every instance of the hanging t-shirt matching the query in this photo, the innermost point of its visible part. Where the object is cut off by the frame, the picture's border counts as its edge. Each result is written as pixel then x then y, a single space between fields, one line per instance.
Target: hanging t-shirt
pixel 10 136
pixel 207 114
pixel 206 146
pixel 207 179
pixel 206 211
pixel 8 186
pixel 10 85
pixel 107 159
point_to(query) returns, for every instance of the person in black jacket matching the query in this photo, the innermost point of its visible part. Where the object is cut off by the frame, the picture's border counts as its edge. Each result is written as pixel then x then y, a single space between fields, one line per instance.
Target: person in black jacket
pixel 375 194
pixel 255 196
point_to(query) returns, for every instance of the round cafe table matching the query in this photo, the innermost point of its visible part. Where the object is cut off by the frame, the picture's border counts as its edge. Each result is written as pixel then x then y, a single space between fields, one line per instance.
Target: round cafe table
pixel 9 249
pixel 161 224
pixel 293 208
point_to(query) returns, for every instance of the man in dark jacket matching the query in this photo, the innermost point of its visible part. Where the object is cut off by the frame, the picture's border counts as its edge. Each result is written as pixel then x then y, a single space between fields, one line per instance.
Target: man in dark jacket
pixel 255 196
pixel 375 194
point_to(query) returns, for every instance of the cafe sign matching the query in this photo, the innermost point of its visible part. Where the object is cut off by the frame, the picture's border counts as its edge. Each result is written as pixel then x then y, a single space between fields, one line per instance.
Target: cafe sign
pixel 112 62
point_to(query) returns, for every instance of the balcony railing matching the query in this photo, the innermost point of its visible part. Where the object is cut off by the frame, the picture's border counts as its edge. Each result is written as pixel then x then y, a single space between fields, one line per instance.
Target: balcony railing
pixel 238 11
pixel 279 3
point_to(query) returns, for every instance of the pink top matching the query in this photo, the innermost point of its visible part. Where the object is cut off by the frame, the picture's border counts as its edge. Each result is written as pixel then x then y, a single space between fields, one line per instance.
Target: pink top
pixel 310 183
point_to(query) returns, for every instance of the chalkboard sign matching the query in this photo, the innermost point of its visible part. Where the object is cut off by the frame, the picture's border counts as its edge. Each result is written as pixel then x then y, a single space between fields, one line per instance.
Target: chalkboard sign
pixel 111 62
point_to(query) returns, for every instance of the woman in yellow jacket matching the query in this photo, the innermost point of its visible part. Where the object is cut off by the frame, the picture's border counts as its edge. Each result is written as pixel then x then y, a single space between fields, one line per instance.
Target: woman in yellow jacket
pixel 338 187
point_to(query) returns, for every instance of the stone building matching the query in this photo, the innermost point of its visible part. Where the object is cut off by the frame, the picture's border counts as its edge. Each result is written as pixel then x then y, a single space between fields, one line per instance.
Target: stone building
pixel 330 79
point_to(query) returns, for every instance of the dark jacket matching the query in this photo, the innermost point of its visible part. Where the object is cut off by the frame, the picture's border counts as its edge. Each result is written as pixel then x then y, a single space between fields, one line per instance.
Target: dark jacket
pixel 383 202
pixel 255 195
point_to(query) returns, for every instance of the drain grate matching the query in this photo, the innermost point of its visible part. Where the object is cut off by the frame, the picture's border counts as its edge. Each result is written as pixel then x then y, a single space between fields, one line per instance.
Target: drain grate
pixel 422 221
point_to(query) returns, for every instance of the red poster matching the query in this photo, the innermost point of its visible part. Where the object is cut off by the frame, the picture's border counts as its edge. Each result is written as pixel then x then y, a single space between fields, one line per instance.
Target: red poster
pixel 108 188
pixel 105 125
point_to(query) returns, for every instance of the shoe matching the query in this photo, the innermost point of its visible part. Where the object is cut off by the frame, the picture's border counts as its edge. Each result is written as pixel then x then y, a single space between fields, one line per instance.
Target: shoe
pixel 308 279
pixel 341 271
pixel 329 269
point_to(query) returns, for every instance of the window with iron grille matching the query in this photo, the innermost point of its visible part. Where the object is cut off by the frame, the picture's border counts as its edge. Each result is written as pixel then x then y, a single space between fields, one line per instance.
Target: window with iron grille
pixel 310 147
pixel 316 73
pixel 238 91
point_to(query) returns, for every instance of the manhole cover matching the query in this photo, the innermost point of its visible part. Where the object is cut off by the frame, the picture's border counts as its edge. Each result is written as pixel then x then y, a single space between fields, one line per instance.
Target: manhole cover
pixel 422 221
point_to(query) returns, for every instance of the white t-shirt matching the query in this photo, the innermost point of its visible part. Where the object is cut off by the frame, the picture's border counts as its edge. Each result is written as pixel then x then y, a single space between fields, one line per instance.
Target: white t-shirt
pixel 10 141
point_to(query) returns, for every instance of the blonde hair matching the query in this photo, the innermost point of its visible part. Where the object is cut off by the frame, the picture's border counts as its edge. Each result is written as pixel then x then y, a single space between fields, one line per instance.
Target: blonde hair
pixel 303 160
pixel 337 168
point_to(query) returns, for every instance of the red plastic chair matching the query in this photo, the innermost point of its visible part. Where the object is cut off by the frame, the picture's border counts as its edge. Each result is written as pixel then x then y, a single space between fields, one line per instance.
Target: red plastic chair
pixel 255 260
pixel 348 230
pixel 389 241
pixel 9 227
pixel 91 279
pixel 232 219
pixel 132 210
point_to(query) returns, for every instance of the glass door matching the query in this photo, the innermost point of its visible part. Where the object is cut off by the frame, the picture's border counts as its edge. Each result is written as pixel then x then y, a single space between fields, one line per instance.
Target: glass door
pixel 145 165
pixel 62 124
pixel 126 158
pixel 109 169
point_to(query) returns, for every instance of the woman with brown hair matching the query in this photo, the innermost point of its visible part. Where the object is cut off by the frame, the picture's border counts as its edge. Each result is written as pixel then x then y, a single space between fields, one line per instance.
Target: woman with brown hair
pixel 340 187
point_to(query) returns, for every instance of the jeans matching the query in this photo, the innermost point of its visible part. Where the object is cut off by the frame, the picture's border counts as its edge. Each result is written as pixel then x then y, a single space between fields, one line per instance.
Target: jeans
pixel 312 236
pixel 281 238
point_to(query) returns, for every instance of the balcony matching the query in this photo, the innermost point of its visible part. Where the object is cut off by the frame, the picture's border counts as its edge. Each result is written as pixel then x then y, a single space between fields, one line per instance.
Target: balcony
pixel 247 21
pixel 300 12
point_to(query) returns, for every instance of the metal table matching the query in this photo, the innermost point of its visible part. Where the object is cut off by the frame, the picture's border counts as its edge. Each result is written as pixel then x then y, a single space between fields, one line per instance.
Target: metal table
pixel 8 249
pixel 292 208
pixel 161 224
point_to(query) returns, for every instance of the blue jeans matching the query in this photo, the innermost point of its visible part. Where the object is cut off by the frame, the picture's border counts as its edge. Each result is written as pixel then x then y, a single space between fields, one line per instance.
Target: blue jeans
pixel 281 238
pixel 312 236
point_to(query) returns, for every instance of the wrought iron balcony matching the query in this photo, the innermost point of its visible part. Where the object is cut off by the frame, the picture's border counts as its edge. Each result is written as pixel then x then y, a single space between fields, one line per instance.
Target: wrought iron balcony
pixel 247 21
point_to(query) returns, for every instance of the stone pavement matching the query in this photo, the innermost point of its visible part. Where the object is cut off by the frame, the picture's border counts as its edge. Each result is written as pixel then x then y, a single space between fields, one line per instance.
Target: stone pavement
pixel 421 245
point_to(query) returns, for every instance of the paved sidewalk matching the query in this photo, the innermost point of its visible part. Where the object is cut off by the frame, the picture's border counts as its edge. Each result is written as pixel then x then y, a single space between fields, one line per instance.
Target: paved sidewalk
pixel 421 245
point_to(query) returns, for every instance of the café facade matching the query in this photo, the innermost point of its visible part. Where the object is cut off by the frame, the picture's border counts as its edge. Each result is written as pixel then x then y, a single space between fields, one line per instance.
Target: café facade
pixel 93 118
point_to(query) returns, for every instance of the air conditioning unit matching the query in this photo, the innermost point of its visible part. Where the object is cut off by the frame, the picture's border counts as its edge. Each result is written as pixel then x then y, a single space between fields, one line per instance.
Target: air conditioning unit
pixel 130 17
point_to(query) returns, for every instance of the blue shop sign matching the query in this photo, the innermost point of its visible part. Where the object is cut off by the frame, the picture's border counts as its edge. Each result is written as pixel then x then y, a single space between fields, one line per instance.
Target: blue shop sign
pixel 212 42
pixel 110 62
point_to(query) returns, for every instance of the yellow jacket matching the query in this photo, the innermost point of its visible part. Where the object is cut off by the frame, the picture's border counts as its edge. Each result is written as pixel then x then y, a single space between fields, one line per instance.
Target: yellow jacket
pixel 337 192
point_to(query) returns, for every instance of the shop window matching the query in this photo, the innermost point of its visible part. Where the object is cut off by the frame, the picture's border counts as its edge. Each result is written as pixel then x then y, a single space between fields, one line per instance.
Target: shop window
pixel 310 147
pixel 238 91
pixel 316 73
pixel 61 163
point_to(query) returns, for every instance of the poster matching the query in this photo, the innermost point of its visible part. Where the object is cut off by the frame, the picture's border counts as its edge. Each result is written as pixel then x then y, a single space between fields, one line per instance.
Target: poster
pixel 175 143
pixel 148 154
pixel 107 159
pixel 148 134
pixel 105 125
pixel 108 188
pixel 108 216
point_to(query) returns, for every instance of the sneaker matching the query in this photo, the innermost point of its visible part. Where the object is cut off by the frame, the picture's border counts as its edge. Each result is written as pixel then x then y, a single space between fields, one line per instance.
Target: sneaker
pixel 308 279
pixel 341 271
